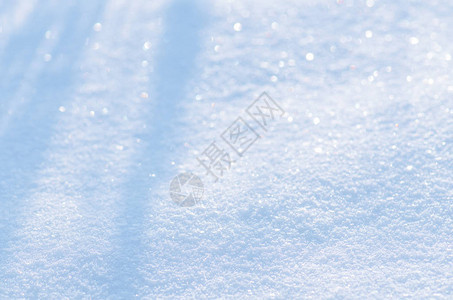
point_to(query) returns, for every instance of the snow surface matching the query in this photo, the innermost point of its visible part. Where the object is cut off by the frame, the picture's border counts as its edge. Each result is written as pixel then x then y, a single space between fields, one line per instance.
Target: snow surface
pixel 104 102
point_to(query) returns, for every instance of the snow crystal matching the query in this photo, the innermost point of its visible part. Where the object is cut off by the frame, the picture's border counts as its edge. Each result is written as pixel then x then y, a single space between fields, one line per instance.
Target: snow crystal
pixel 347 195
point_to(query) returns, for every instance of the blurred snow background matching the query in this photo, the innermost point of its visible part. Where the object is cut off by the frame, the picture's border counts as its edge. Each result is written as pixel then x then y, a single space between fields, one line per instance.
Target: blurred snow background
pixel 103 102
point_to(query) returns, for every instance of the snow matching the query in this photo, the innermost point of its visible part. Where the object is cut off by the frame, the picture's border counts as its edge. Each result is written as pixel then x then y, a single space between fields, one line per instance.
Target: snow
pixel 103 103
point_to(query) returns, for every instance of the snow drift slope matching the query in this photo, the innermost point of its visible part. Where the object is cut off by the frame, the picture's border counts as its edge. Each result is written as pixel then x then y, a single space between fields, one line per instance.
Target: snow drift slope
pixel 351 196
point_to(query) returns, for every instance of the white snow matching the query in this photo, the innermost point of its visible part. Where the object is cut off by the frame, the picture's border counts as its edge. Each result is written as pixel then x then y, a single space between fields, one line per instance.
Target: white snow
pixel 104 102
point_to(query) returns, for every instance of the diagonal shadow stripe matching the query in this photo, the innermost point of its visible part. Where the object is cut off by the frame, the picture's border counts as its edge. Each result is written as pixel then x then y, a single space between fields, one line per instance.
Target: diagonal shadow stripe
pixel 175 63
pixel 22 147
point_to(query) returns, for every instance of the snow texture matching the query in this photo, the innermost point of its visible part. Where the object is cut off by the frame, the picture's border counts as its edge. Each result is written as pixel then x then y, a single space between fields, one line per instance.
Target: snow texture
pixel 349 195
